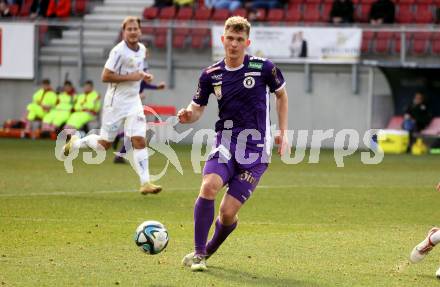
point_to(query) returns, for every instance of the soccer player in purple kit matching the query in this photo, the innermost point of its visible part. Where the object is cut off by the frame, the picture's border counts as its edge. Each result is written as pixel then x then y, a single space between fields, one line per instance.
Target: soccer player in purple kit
pixel 242 85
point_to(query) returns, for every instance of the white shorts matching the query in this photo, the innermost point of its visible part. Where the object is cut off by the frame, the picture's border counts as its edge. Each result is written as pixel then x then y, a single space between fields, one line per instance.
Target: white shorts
pixel 135 125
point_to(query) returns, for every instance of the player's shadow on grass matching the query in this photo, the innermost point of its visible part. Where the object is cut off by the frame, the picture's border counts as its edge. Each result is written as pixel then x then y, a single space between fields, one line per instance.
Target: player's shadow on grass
pixel 247 279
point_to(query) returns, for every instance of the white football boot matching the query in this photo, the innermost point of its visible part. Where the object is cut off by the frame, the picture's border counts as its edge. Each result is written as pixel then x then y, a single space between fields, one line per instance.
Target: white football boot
pixel 422 249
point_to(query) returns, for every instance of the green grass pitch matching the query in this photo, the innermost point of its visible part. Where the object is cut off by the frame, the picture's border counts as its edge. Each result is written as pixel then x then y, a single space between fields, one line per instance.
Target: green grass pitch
pixel 306 225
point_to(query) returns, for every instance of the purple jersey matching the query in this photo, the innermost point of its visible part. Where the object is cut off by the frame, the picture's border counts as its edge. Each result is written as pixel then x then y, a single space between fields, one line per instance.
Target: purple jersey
pixel 242 94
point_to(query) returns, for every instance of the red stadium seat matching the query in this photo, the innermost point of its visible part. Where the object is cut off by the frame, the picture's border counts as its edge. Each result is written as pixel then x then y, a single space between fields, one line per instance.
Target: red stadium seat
pixel 436 47
pixel 419 47
pixel 425 2
pixel 220 15
pixel 179 41
pixel 14 9
pixel 293 15
pixel 433 129
pixel 395 123
pixel 261 15
pixel 409 2
pixel 160 41
pixel 200 31
pixel 202 14
pixel 163 28
pixel 147 30
pixel 313 1
pixel 328 1
pixel 167 13
pixel 405 14
pixel 368 2
pixel 383 41
pixel 184 30
pixel 25 8
pixel 275 15
pixel 424 15
pixel 197 41
pixel 240 12
pixel 293 2
pixel 312 13
pixel 184 13
pixel 363 13
pixel 326 8
pixel 81 7
pixel 367 38
pixel 397 42
pixel 150 13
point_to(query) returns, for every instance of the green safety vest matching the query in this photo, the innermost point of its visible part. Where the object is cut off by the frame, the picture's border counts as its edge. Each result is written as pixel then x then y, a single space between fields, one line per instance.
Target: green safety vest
pixel 65 101
pixel 88 102
pixel 44 98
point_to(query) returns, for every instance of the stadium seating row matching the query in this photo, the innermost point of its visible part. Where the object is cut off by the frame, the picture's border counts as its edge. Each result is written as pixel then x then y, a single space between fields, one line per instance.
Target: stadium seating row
pixel 417 43
pixel 296 12
pixel 382 42
pixel 79 7
pixel 369 1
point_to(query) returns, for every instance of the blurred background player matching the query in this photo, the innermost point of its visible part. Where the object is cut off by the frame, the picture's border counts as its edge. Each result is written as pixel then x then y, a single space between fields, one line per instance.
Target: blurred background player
pixel 59 114
pixel 43 100
pixel 119 157
pixel 422 249
pixel 87 106
pixel 241 84
pixel 122 104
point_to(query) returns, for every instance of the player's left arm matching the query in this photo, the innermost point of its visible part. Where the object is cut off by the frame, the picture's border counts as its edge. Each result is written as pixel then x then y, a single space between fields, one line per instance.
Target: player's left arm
pixel 438 187
pixel 282 103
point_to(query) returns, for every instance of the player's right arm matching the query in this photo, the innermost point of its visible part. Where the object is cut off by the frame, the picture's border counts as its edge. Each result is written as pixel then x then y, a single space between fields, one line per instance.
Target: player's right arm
pixel 438 187
pixel 191 114
pixel 195 109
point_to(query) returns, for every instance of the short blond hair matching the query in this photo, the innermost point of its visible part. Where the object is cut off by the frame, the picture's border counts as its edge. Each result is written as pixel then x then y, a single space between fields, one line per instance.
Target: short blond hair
pixel 238 24
pixel 129 19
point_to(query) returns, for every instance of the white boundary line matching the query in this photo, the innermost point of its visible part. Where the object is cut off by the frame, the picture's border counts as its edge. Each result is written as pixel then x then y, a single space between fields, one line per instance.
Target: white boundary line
pixel 75 193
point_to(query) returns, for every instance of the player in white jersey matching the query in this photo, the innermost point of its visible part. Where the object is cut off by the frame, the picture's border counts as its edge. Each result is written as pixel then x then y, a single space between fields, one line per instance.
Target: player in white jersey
pixel 123 72
pixel 422 249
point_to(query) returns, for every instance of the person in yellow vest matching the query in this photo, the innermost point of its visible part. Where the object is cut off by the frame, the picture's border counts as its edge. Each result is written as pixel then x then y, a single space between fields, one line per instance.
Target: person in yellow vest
pixel 181 3
pixel 43 100
pixel 87 106
pixel 61 112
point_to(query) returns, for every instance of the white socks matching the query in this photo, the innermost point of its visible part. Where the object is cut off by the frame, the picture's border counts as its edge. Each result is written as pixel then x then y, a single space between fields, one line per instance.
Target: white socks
pixel 90 141
pixel 140 157
pixel 435 237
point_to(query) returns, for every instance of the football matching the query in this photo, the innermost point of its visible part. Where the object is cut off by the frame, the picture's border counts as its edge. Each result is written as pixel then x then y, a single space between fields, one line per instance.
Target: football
pixel 151 237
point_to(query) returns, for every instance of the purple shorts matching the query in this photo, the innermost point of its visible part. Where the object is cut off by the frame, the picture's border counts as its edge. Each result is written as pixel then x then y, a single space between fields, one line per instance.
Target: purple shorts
pixel 242 179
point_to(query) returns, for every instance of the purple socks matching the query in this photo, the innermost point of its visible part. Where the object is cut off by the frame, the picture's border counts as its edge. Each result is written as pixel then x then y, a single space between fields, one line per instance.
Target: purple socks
pixel 220 234
pixel 203 217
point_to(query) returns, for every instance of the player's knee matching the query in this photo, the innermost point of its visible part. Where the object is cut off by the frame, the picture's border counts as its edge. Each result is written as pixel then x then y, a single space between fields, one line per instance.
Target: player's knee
pixel 209 189
pixel 227 215
pixel 138 142
pixel 105 144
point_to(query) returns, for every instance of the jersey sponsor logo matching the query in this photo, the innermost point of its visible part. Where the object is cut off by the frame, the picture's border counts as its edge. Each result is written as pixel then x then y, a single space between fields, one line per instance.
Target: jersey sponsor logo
pixel 257 58
pixel 212 69
pixel 252 74
pixel 217 77
pixel 247 176
pixel 255 65
pixel 249 82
